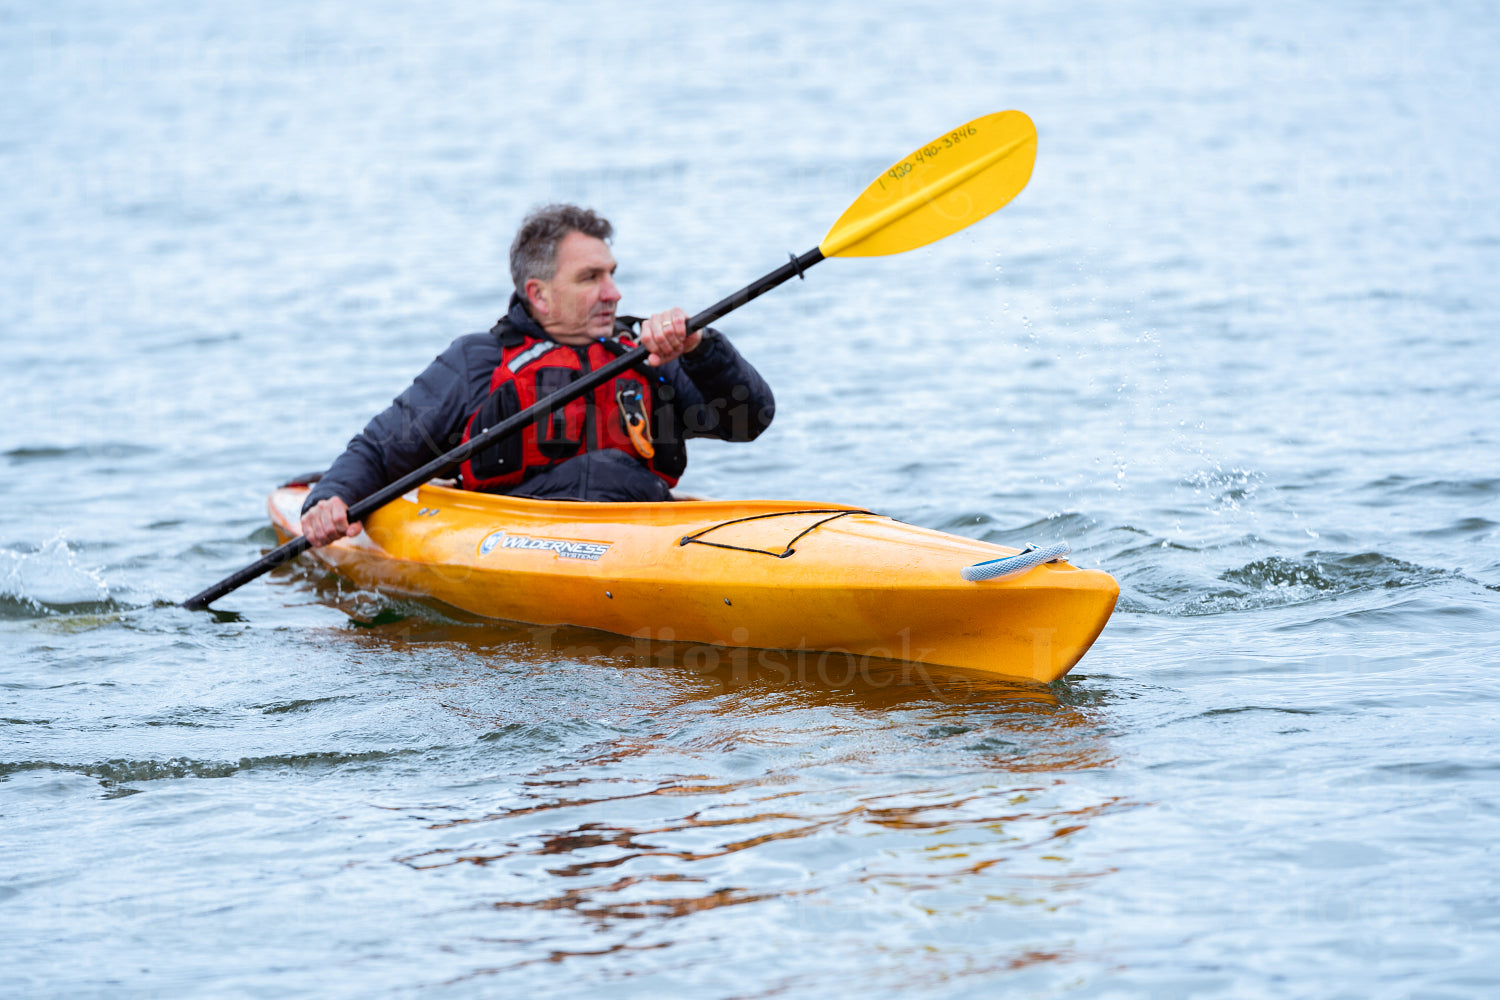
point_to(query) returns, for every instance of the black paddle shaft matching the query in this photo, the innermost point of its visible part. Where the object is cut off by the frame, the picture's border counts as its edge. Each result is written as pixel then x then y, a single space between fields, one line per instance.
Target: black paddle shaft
pixel 445 464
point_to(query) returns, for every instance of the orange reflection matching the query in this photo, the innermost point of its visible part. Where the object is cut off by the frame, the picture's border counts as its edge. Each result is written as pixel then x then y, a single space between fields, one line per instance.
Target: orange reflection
pixel 584 904
pixel 744 782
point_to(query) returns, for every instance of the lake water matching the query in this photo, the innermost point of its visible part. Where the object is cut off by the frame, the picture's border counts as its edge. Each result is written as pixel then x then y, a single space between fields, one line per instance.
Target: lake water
pixel 1235 343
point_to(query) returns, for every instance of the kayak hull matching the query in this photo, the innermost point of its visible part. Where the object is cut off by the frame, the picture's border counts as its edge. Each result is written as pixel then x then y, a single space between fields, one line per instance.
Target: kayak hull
pixel 825 579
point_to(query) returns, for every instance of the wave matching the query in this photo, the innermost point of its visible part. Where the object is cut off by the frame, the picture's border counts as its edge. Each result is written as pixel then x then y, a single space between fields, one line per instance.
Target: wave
pixel 120 770
pixel 1396 488
pixel 1161 576
pixel 51 453
pixel 1330 573
pixel 1279 581
pixel 1064 525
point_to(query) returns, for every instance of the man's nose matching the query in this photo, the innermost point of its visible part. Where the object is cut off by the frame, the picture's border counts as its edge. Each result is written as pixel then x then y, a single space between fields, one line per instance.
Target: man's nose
pixel 611 291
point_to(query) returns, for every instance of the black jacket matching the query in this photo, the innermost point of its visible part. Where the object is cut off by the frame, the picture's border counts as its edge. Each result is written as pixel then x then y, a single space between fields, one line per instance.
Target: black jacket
pixel 717 394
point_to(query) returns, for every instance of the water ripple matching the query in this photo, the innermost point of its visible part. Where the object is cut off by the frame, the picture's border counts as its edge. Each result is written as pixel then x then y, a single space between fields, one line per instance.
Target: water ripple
pixel 122 771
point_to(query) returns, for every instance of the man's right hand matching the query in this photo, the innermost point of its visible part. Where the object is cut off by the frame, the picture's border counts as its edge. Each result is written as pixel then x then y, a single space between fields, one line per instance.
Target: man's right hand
pixel 328 521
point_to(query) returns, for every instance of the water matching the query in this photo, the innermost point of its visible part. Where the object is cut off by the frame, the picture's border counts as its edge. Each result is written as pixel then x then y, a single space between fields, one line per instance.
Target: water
pixel 1234 343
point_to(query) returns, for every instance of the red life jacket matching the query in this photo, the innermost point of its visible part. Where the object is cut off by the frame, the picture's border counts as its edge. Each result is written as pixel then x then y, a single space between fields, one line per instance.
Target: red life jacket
pixel 618 414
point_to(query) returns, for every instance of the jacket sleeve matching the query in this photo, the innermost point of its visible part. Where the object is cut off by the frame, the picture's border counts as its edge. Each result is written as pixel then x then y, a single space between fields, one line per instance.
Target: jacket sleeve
pixel 718 393
pixel 422 423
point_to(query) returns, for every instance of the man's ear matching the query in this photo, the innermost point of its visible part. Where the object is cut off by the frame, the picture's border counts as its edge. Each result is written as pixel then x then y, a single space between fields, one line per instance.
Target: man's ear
pixel 536 296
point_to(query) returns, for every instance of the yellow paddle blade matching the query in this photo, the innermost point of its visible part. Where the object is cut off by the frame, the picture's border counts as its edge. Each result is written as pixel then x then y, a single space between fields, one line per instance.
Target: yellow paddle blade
pixel 952 182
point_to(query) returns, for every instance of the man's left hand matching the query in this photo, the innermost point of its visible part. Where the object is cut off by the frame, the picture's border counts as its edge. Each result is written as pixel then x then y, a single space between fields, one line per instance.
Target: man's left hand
pixel 666 336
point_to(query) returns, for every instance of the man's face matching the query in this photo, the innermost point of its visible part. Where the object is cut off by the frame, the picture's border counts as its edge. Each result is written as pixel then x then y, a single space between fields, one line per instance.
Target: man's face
pixel 578 305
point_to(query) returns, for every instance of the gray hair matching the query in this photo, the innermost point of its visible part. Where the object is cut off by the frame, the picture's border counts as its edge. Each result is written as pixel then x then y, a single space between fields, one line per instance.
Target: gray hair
pixel 533 253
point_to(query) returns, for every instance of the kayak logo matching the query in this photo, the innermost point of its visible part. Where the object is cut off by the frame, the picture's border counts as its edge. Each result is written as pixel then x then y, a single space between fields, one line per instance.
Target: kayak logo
pixel 562 548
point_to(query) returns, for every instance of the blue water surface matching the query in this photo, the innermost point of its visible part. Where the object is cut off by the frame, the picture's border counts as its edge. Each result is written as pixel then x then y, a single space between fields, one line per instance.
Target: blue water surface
pixel 1235 343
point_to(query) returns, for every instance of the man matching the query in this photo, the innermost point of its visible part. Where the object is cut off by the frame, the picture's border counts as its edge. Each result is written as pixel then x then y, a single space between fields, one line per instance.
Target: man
pixel 623 441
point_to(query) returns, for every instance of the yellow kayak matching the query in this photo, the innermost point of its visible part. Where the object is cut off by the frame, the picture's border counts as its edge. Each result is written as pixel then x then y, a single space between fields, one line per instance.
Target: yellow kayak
pixel 766 574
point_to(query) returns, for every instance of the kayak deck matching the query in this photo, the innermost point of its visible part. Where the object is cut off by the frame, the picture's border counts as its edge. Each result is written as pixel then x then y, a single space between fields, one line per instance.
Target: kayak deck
pixel 764 574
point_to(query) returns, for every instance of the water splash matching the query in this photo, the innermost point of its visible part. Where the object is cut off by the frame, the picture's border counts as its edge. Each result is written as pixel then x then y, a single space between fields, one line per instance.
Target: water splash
pixel 1228 490
pixel 50 581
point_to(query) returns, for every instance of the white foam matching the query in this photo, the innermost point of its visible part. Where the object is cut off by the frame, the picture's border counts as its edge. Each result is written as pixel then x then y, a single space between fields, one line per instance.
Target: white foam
pixel 50 577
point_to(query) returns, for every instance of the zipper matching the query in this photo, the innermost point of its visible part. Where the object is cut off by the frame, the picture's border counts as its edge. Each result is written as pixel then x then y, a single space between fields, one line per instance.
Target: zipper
pixel 590 434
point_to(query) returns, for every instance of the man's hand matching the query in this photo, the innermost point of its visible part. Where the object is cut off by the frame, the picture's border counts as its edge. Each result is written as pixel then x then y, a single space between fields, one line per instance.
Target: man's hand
pixel 666 336
pixel 328 521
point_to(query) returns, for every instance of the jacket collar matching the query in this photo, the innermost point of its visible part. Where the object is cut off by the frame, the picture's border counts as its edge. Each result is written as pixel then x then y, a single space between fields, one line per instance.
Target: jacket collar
pixel 517 325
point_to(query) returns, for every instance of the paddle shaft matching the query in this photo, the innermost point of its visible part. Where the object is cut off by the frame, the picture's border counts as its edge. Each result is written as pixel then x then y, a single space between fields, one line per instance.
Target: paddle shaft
pixel 445 464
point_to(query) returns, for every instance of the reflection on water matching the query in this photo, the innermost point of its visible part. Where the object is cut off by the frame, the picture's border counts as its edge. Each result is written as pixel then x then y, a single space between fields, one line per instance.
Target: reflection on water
pixel 681 781
pixel 628 867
